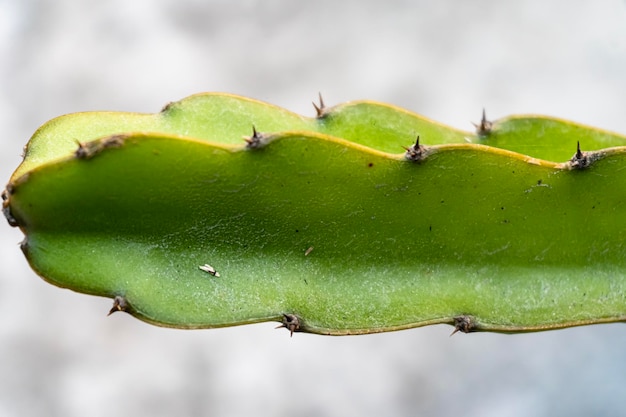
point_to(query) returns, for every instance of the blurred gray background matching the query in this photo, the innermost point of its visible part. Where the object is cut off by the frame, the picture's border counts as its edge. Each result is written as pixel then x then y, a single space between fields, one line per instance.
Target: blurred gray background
pixel 61 356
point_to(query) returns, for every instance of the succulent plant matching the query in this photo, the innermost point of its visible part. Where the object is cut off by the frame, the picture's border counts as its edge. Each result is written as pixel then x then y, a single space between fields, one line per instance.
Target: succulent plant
pixel 365 218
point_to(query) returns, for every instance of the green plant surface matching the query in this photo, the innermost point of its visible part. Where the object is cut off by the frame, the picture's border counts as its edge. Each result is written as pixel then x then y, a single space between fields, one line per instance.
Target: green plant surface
pixel 347 238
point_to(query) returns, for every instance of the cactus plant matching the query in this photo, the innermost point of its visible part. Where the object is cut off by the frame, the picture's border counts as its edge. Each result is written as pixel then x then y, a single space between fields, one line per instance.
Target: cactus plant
pixel 326 224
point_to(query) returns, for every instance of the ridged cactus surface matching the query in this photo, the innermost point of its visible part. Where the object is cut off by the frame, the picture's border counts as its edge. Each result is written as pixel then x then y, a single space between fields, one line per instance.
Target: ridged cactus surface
pixel 344 223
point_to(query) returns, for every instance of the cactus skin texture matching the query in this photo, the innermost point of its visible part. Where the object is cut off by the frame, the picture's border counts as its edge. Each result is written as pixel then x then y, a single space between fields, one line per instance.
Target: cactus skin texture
pixel 325 224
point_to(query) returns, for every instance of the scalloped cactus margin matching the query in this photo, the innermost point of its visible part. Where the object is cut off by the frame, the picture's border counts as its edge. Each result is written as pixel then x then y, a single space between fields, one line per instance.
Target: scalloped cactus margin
pixel 321 224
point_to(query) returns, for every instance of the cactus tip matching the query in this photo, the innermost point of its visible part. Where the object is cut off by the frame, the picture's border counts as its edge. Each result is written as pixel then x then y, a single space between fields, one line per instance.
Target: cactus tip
pixel 291 322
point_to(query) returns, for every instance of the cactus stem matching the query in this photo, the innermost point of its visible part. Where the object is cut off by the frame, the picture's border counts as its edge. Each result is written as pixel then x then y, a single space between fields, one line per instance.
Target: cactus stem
pixel 416 152
pixel 484 127
pixel 291 322
pixel 464 324
pixel 320 109
pixel 119 304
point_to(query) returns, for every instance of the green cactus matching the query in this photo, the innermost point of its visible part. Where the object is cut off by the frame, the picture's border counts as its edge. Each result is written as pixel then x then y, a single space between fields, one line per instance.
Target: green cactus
pixel 325 224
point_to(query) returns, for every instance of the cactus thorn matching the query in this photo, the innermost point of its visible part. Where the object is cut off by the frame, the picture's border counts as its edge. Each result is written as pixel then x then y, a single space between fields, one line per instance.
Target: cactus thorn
pixel 485 126
pixel 321 108
pixel 415 152
pixel 256 140
pixel 582 160
pixel 119 304
pixel 464 324
pixel 291 322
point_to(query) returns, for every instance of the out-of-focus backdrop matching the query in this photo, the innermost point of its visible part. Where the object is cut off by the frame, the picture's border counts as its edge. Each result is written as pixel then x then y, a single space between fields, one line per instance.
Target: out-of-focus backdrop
pixel 61 356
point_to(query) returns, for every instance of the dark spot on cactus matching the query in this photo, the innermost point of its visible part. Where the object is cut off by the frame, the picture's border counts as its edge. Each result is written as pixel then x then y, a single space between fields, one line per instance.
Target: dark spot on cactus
pixel 257 139
pixel 430 228
pixel 539 181
pixel 119 304
pixel 464 324
pixel 416 152
pixel 291 322
pixel 484 127
pixel 320 109
pixel 371 164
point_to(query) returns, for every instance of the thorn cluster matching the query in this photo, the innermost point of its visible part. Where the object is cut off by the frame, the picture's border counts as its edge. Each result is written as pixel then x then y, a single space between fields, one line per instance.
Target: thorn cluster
pixel 87 150
pixel 291 322
pixel 320 109
pixel 484 127
pixel 255 141
pixel 119 304
pixel 415 152
pixel 464 324
pixel 580 160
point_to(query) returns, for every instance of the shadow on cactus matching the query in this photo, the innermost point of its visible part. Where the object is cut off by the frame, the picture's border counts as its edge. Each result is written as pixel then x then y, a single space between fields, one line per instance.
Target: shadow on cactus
pixel 365 218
